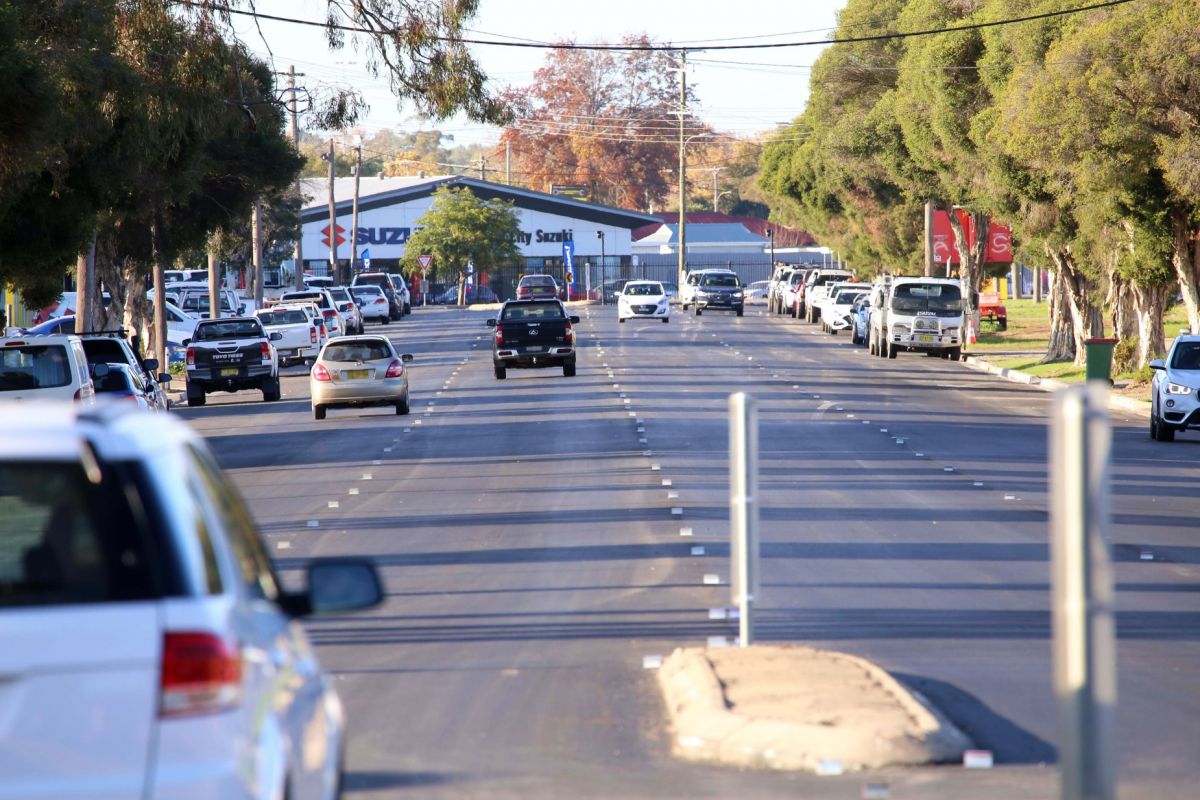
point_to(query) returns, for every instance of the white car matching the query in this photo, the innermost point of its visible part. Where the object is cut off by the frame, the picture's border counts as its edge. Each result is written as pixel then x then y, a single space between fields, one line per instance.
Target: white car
pixel 835 312
pixel 372 303
pixel 1175 389
pixel 150 650
pixel 43 368
pixel 645 299
pixel 756 292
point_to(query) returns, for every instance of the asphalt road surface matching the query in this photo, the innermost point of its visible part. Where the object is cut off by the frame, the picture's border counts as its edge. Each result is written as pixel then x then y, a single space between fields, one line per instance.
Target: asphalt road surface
pixel 532 559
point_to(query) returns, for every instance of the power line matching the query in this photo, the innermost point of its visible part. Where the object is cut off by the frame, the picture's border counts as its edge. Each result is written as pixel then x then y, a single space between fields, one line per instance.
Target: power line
pixel 667 47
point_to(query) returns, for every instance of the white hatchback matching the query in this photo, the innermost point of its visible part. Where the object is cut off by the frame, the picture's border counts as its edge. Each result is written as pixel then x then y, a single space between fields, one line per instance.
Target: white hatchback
pixel 645 299
pixel 149 648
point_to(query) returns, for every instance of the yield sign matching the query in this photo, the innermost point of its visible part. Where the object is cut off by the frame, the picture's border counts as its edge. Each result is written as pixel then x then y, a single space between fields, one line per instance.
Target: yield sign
pixel 424 261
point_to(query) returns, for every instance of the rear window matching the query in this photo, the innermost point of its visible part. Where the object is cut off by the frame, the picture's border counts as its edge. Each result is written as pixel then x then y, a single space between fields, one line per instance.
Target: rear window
pixel 357 351
pixel 230 329
pixel 104 350
pixel 34 366
pixel 538 280
pixel 551 310
pixel 288 317
pixel 65 539
pixel 365 292
pixel 292 297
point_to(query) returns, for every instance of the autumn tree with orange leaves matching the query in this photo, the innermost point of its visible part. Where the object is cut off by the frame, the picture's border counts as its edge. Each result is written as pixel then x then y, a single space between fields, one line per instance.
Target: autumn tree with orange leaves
pixel 605 119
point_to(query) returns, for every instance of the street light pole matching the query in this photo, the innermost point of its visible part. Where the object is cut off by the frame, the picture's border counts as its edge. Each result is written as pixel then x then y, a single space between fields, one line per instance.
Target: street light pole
pixel 354 215
pixel 682 167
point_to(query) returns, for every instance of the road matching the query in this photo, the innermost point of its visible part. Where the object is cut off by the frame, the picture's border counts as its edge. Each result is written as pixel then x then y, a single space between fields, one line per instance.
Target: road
pixel 532 559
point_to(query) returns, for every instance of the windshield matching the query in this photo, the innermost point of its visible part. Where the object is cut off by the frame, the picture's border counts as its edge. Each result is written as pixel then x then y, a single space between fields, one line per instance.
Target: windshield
pixel 912 297
pixel 644 289
pixel 720 280
pixel 847 297
pixel 1187 356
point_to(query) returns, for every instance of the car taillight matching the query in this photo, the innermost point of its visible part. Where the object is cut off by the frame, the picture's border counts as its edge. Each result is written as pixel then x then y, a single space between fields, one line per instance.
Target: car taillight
pixel 191 356
pixel 320 373
pixel 201 674
pixel 395 369
pixel 499 336
pixel 328 313
pixel 570 331
pixel 379 300
pixel 266 352
pixel 312 334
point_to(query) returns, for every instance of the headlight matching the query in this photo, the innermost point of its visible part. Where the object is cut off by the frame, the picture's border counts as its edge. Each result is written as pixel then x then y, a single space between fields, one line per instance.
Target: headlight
pixel 737 294
pixel 1175 388
pixel 662 303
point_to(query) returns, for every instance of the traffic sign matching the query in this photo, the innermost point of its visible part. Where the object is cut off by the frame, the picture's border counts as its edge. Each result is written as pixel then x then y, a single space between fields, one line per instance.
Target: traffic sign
pixel 424 261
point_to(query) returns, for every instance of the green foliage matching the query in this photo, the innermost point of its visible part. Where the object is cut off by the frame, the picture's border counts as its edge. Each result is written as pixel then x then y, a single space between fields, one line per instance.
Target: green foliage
pixel 1125 355
pixel 460 227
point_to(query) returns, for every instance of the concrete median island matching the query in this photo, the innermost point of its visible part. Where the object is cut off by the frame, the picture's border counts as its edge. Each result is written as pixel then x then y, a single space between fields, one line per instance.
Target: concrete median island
pixel 795 708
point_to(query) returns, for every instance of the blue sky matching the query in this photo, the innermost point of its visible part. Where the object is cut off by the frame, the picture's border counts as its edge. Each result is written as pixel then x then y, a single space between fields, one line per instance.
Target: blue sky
pixel 741 92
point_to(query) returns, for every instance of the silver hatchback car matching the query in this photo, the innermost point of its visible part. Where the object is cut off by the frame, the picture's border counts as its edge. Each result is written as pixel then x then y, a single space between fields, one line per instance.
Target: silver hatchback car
pixel 359 371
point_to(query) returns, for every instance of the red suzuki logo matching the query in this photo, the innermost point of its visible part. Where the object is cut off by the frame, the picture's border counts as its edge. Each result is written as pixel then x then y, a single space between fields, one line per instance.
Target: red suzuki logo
pixel 340 239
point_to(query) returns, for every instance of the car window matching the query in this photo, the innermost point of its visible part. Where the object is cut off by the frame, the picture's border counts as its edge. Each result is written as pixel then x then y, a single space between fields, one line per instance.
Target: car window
pixel 34 366
pixel 254 566
pixel 720 280
pixel 65 539
pixel 644 289
pixel 357 351
pixel 532 311
pixel 231 329
pixel 1187 356
pixel 291 316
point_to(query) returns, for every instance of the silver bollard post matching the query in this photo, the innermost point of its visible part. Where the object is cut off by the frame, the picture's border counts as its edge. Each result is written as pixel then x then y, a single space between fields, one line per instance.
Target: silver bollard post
pixel 1084 651
pixel 743 510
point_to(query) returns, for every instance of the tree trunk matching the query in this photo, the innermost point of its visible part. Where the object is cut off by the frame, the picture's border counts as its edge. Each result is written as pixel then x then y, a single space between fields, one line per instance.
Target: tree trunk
pixel 972 253
pixel 1121 303
pixel 1185 257
pixel 1061 346
pixel 110 273
pixel 136 305
pixel 1086 318
pixel 1151 302
pixel 159 329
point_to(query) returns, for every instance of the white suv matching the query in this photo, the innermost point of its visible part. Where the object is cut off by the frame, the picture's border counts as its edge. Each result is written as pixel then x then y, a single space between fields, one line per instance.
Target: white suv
pixel 1175 390
pixel 44 368
pixel 149 649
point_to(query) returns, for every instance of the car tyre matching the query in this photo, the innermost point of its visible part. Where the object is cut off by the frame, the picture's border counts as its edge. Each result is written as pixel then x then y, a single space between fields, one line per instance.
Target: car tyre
pixel 666 320
pixel 621 320
pixel 698 311
pixel 956 353
pixel 270 390
pixel 1161 431
pixel 569 370
pixel 318 412
pixel 741 311
pixel 501 371
pixel 891 349
pixel 195 398
pixel 402 407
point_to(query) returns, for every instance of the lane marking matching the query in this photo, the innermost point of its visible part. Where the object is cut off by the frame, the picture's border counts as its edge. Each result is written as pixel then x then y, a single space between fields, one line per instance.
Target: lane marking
pixel 712 579
pixel 334 504
pixel 685 531
pixel 353 490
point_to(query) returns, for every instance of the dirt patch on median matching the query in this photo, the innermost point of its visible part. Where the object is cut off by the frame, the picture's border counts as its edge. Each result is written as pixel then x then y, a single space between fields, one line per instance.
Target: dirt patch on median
pixel 795 708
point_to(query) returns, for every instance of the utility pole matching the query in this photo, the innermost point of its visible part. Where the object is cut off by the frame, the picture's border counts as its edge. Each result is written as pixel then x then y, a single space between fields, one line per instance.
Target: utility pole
pixel 333 242
pixel 715 171
pixel 682 169
pixel 928 238
pixel 354 214
pixel 214 278
pixel 299 276
pixel 508 163
pixel 86 295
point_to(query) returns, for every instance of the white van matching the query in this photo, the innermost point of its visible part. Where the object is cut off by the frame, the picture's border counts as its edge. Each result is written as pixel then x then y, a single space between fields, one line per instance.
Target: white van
pixel 44 368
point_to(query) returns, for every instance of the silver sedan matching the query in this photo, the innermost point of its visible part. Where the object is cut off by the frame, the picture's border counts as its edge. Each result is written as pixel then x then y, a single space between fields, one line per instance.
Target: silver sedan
pixel 359 371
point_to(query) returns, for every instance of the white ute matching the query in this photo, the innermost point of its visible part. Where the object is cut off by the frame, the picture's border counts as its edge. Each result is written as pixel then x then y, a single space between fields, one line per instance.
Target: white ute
pixel 923 314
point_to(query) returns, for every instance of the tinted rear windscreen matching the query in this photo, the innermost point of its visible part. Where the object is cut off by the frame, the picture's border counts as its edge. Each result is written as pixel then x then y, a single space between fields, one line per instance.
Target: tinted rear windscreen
pixel 235 329
pixel 357 351
pixel 33 366
pixel 65 539
pixel 533 311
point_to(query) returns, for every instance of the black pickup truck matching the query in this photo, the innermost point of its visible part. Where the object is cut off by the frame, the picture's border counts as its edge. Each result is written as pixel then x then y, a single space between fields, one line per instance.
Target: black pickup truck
pixel 225 355
pixel 531 334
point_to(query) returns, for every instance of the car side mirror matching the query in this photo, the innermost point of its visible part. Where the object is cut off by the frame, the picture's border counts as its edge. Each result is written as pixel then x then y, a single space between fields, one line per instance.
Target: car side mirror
pixel 406 357
pixel 574 320
pixel 186 342
pixel 275 337
pixel 150 364
pixel 336 586
pixel 491 323
pixel 164 377
pixel 99 370
pixel 1157 364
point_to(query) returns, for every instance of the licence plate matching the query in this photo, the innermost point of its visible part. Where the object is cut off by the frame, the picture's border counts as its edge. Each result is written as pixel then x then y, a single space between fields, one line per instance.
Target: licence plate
pixel 229 373
pixel 358 374
pixel 537 348
pixel 924 338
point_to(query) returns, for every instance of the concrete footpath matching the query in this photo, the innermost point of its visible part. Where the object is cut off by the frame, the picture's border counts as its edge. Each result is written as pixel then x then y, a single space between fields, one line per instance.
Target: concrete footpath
pixel 789 707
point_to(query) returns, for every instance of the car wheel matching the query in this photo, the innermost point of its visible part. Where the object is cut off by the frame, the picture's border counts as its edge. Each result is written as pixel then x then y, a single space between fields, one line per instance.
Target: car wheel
pixel 956 354
pixel 621 320
pixel 270 390
pixel 698 311
pixel 740 311
pixel 1162 431
pixel 666 319
pixel 318 412
pixel 500 370
pixel 195 398
pixel 569 370
pixel 891 349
